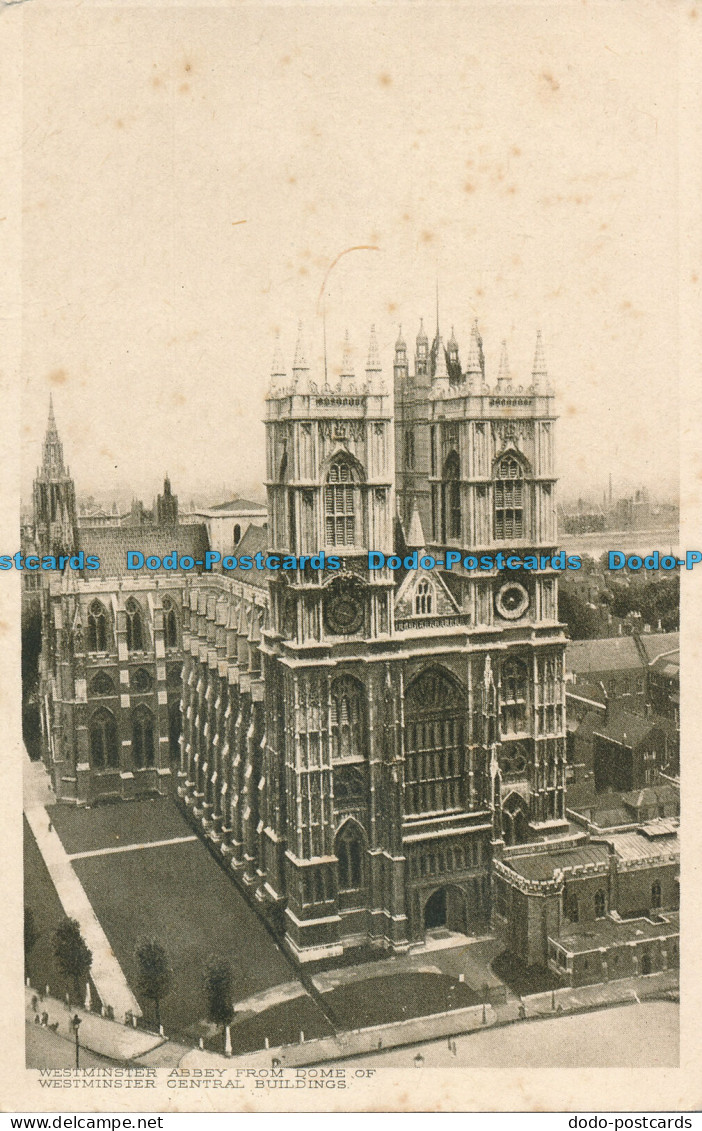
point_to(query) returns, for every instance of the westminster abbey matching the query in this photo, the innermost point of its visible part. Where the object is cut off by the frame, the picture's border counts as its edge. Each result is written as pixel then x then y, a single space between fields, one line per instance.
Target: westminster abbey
pixel 359 747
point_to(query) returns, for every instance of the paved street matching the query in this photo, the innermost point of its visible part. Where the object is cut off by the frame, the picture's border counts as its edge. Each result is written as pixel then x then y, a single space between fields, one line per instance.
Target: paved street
pixel 45 1049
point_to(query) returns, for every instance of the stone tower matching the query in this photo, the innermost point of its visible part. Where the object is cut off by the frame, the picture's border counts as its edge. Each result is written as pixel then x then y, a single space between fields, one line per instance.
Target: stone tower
pixel 55 525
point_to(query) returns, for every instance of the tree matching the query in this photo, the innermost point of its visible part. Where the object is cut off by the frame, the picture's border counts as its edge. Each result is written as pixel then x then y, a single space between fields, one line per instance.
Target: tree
pixel 31 934
pixel 72 955
pixel 154 973
pixel 219 993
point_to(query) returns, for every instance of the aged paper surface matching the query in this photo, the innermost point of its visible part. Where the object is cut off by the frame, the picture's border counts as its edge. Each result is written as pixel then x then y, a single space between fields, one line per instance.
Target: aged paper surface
pixel 356 800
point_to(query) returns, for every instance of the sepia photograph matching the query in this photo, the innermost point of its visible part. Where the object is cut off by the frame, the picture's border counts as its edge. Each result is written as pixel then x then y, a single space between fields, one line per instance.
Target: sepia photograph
pixel 349 560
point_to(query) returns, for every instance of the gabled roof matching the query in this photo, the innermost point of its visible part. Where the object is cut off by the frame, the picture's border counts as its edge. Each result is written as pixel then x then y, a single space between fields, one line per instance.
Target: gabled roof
pixel 612 653
pixel 658 643
pixel 255 540
pixel 110 544
pixel 445 603
pixel 623 727
pixel 239 506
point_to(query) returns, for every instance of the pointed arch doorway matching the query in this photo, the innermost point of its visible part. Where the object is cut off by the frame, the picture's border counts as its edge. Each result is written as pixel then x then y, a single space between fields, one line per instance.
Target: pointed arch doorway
pixel 446 909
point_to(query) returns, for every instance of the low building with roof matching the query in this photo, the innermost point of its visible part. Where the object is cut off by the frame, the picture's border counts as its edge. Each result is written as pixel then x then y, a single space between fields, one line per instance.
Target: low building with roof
pixel 227 523
pixel 555 907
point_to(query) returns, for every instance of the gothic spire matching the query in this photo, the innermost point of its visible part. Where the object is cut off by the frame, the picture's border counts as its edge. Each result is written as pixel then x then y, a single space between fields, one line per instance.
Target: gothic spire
pixel 503 372
pixel 539 372
pixel 300 365
pixel 347 362
pixel 373 364
pixel 53 448
pixel 415 536
pixel 473 368
pixel 278 365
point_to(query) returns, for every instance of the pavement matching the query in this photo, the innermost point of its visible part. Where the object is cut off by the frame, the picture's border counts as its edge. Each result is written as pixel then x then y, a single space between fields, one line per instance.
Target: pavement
pixel 106 973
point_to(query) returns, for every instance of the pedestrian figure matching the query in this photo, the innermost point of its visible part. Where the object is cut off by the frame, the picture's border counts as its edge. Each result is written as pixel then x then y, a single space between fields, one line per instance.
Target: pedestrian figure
pixel 37 1019
pixel 35 1002
pixel 45 1018
pixel 522 1011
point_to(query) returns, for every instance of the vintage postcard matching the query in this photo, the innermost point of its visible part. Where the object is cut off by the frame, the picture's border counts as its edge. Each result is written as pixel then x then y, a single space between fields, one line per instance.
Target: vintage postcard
pixel 351 556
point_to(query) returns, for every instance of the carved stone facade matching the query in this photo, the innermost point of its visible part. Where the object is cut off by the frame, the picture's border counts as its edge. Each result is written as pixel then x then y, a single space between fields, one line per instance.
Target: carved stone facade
pixel 361 743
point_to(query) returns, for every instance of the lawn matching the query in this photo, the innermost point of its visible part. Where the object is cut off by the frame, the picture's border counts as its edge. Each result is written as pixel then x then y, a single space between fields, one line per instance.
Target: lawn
pixel 180 895
pixel 396 997
pixel 117 823
pixel 40 895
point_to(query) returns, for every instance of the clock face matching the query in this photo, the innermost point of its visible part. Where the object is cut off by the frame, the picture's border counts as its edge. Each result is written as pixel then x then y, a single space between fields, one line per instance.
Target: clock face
pixel 344 605
pixel 512 600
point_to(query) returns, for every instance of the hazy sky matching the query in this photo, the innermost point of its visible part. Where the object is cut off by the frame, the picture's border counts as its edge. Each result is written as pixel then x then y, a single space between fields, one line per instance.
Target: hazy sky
pixel 190 175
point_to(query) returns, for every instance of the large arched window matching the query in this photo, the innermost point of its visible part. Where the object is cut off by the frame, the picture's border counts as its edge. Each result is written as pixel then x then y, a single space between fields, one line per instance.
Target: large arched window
pixel 349 851
pixel 175 727
pixel 104 752
pixel 97 627
pixel 101 684
pixel 170 623
pixel 340 505
pixel 348 719
pixel 135 626
pixel 142 737
pixel 424 595
pixel 451 498
pixel 513 697
pixel 434 744
pixel 509 499
pixel 600 904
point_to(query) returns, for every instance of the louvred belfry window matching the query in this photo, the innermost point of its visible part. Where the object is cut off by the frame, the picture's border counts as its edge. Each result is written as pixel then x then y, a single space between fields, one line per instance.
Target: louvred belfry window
pixel 348 723
pixel 509 499
pixel 340 505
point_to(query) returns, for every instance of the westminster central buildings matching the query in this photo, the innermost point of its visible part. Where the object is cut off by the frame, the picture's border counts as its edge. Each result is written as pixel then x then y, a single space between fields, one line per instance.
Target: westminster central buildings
pixel 376 756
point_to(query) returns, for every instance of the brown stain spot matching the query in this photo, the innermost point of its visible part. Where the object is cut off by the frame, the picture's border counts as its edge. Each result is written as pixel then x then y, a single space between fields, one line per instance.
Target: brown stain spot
pixel 156 82
pixel 693 13
pixel 469 187
pixel 58 377
pixel 516 151
pixel 178 399
pixel 107 453
pixel 392 307
pixel 292 180
pixel 511 190
pixel 427 236
pixel 479 292
pixel 303 271
pixel 571 410
pixel 695 277
pixel 187 67
pixel 4 626
pixel 184 87
pixel 119 124
pixel 406 217
pixel 385 79
pixel 285 60
pixel 550 81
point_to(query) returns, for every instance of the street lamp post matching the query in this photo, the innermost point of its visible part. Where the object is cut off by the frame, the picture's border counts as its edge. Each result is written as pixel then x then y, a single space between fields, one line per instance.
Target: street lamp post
pixel 75 1025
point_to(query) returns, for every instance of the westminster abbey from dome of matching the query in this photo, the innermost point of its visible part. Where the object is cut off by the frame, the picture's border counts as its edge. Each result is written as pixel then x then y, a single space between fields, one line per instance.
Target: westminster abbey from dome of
pixel 366 750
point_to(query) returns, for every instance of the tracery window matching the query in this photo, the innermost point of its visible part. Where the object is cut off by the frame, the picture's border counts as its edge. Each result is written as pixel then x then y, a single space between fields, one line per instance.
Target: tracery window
pixel 434 737
pixel 513 697
pixel 135 626
pixel 102 685
pixel 104 752
pixel 340 505
pixel 600 904
pixel 451 498
pixel 97 627
pixel 170 623
pixel 509 499
pixel 348 719
pixel 142 737
pixel 141 681
pixel 424 598
pixel 349 851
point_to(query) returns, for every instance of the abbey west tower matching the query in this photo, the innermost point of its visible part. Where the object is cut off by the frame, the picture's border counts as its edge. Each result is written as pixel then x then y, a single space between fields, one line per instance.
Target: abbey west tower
pixel 413 722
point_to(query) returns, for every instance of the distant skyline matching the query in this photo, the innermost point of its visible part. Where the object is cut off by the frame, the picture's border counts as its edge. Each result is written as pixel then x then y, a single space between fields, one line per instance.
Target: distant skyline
pixel 190 176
